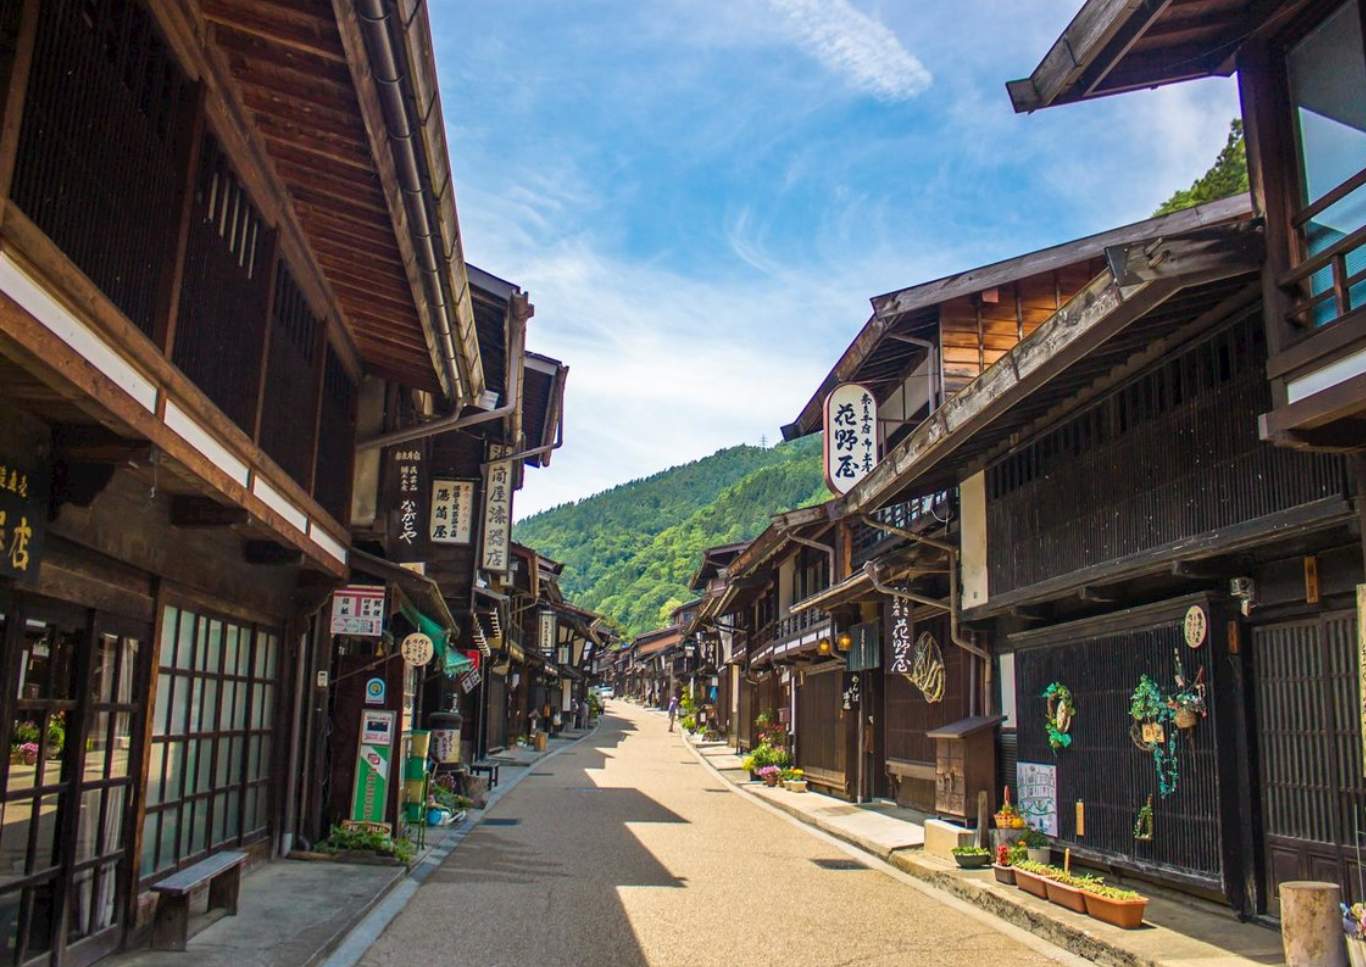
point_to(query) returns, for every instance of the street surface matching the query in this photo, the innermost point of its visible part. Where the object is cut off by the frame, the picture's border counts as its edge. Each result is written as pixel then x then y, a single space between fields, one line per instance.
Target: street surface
pixel 625 850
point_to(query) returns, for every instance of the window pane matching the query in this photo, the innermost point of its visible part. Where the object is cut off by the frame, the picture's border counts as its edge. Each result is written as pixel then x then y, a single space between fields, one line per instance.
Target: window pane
pixel 45 852
pixel 267 705
pixel 149 844
pixel 231 646
pixel 200 830
pixel 220 818
pixel 253 755
pixel 170 827
pixel 202 653
pixel 123 745
pixel 128 671
pixel 257 705
pixel 168 637
pixel 191 763
pixel 87 825
pixel 14 825
pixel 184 653
pixel 196 702
pixel 235 760
pixel 96 747
pixel 175 770
pixel 209 722
pixel 116 798
pixel 103 667
pixel 214 657
pixel 165 683
pixel 224 755
pixel 157 757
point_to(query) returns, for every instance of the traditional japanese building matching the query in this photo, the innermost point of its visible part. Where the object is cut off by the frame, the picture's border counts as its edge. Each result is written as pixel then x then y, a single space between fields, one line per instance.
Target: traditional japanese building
pixel 212 242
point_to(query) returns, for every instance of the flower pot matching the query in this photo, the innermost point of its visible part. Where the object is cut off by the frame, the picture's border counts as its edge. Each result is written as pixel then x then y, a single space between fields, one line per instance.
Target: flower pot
pixel 770 781
pixel 1004 874
pixel 795 785
pixel 1040 854
pixel 1066 896
pixel 1030 883
pixel 1185 718
pixel 976 862
pixel 1127 914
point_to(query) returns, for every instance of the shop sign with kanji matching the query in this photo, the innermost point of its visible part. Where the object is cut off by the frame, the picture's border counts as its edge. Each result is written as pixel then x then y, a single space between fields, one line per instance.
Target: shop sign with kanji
pixel 451 511
pixel 497 515
pixel 850 444
pixel 23 516
pixel 358 609
pixel 407 506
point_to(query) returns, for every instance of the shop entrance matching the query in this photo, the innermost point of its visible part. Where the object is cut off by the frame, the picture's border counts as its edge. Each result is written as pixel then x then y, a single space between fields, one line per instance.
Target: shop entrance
pixel 1309 751
pixel 73 681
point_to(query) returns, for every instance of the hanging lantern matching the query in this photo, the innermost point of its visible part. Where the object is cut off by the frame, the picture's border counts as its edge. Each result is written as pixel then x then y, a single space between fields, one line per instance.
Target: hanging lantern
pixel 845 641
pixel 823 646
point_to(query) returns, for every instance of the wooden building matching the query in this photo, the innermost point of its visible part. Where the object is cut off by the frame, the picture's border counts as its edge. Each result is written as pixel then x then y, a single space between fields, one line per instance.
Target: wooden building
pixel 228 249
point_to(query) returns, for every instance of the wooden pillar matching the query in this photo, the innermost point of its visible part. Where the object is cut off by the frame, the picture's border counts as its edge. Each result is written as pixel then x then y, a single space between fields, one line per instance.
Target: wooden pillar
pixel 139 768
pixel 14 103
pixel 262 371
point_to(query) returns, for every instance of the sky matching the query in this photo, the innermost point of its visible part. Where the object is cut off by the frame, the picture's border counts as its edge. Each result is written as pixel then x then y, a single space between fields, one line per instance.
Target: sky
pixel 701 196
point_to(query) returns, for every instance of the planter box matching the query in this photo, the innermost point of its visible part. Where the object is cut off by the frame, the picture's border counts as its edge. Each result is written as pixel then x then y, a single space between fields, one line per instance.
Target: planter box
pixel 1066 896
pixel 1120 913
pixel 795 785
pixel 972 862
pixel 1004 874
pixel 1030 883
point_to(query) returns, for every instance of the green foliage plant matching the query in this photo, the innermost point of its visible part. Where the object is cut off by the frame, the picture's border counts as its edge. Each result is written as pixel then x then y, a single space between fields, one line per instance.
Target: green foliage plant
pixel 1227 176
pixel 970 851
pixel 364 840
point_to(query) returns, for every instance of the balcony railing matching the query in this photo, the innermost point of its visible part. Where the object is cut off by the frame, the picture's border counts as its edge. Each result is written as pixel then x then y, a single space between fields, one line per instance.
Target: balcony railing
pixel 919 515
pixel 783 630
pixel 1330 281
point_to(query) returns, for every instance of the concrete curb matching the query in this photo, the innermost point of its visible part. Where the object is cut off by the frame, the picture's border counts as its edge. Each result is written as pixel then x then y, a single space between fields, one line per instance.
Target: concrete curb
pixel 352 944
pixel 1066 937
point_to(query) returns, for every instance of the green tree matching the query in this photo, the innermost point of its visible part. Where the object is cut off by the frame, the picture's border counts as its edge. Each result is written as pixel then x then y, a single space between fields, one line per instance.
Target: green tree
pixel 1228 176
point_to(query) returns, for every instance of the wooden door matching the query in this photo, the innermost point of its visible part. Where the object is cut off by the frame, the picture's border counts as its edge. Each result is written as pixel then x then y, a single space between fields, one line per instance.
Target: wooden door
pixel 1309 751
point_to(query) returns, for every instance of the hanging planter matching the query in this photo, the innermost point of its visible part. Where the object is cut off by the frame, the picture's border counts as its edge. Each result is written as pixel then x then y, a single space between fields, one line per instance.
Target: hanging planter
pixel 1061 711
pixel 1153 731
pixel 1143 825
pixel 1188 701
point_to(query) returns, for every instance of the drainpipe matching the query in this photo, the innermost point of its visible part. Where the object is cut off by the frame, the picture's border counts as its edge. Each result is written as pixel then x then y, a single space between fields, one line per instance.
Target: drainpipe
pixel 936 374
pixel 537 451
pixel 423 220
pixel 953 608
pixel 817 545
pixel 522 311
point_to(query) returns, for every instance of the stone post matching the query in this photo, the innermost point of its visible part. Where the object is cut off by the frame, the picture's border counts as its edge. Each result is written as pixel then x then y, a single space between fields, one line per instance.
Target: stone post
pixel 1311 925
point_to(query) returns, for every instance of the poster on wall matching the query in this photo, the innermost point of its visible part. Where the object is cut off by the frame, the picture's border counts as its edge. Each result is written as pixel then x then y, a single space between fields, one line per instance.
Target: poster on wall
pixel 1037 797
pixel 452 511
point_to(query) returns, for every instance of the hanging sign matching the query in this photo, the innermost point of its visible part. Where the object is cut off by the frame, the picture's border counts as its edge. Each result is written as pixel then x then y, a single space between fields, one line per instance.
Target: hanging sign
pixel 1196 626
pixel 417 649
pixel 497 515
pixel 23 518
pixel 1038 795
pixel 547 633
pixel 900 637
pixel 358 609
pixel 374 691
pixel 469 681
pixel 370 794
pixel 850 445
pixel 409 463
pixel 452 511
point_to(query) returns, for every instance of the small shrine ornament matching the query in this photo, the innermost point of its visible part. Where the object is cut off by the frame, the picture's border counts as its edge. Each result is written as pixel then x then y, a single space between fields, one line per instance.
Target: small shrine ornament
pixel 1196 626
pixel 417 649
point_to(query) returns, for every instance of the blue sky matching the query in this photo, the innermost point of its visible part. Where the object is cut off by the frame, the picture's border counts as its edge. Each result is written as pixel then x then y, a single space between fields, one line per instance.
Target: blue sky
pixel 702 195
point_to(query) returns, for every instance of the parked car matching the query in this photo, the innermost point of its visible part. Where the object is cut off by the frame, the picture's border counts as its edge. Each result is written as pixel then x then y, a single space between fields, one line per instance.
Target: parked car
pixel 606 691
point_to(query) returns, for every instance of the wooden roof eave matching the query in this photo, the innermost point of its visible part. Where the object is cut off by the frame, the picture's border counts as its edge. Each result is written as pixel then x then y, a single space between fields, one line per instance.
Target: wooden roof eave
pixel 1139 277
pixel 891 309
pixel 1098 53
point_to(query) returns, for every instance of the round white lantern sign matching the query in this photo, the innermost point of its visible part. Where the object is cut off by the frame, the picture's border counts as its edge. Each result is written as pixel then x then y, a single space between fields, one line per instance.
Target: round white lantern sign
pixel 416 649
pixel 1196 626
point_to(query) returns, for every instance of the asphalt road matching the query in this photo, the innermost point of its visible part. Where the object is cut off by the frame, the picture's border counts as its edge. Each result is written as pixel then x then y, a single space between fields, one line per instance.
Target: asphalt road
pixel 625 850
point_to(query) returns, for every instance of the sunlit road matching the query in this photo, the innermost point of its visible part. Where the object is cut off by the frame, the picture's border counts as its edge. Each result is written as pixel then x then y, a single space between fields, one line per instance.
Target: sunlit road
pixel 624 850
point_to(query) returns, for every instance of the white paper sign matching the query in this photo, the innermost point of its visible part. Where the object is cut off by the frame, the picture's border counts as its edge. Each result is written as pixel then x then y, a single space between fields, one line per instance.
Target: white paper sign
pixel 548 633
pixel 358 610
pixel 850 436
pixel 452 511
pixel 1037 797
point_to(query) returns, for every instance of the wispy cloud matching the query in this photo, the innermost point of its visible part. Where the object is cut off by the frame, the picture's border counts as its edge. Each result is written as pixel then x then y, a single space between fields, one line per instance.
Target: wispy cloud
pixel 855 46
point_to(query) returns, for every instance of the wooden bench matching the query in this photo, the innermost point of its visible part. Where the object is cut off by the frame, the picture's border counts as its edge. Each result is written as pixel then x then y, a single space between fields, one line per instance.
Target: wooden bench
pixel 222 872
pixel 487 767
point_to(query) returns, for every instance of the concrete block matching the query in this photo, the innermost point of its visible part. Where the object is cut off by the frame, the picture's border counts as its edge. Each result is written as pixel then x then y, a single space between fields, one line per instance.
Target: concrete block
pixel 941 837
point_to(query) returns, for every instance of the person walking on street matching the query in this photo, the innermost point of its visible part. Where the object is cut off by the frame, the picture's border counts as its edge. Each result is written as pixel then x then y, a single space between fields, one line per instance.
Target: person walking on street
pixel 673 711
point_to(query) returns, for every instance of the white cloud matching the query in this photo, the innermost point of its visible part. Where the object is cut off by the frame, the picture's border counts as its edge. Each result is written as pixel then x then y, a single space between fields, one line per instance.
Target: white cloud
pixel 855 46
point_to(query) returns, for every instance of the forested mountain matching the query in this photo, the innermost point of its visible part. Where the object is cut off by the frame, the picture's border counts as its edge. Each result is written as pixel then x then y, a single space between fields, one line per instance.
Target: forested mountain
pixel 629 551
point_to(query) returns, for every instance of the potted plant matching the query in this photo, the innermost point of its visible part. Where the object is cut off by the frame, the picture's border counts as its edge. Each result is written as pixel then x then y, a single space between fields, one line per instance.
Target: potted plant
pixel 794 780
pixel 1010 825
pixel 971 857
pixel 1033 877
pixel 1036 846
pixel 1005 873
pixel 770 775
pixel 1119 908
pixel 1069 891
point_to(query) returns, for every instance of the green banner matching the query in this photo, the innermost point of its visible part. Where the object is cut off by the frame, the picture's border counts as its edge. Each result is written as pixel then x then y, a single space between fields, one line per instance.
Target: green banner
pixel 370 796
